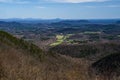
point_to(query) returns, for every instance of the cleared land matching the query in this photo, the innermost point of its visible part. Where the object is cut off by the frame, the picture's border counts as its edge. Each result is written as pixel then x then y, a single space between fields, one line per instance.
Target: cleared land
pixel 60 39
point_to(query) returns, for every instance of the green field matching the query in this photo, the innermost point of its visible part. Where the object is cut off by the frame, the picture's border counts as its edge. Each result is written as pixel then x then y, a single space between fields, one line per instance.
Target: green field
pixel 60 39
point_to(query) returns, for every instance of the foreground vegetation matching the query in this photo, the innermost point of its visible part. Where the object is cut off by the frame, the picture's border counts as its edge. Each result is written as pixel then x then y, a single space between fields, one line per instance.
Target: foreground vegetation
pixel 17 64
pixel 21 60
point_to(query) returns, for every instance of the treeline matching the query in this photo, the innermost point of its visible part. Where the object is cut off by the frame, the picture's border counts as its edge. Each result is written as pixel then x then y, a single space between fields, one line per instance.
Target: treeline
pixel 74 50
pixel 96 50
pixel 19 43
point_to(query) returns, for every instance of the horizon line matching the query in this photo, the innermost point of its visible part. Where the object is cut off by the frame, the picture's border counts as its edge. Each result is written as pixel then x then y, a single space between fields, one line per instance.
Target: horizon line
pixel 59 18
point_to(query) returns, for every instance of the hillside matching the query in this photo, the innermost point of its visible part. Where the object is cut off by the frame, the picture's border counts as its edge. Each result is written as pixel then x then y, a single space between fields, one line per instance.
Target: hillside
pixel 12 41
pixel 108 67
pixel 92 51
pixel 19 61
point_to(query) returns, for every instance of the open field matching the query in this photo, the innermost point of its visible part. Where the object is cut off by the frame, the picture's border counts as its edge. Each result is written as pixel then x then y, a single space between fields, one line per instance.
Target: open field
pixel 60 39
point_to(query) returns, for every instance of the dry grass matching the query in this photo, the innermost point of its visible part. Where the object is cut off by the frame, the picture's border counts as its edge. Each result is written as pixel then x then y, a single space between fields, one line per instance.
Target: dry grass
pixel 15 65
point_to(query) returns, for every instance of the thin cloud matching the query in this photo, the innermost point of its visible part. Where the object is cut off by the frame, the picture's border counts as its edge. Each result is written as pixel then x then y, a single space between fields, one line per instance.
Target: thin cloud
pixel 58 1
pixel 90 6
pixel 76 1
pixel 5 1
pixel 14 1
pixel 22 2
pixel 40 7
pixel 113 6
pixel 106 6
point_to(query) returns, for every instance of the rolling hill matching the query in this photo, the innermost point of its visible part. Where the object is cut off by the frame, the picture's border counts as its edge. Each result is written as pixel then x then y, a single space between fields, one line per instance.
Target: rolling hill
pixel 108 68
pixel 20 60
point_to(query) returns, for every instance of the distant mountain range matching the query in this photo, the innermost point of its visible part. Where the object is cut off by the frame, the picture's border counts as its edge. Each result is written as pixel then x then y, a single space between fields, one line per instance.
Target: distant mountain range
pixel 29 20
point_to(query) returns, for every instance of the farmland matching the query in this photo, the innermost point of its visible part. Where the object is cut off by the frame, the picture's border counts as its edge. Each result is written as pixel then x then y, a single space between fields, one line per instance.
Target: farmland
pixel 60 39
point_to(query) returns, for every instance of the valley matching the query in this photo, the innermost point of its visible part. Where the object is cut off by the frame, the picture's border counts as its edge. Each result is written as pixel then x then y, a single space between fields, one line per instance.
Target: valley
pixel 60 50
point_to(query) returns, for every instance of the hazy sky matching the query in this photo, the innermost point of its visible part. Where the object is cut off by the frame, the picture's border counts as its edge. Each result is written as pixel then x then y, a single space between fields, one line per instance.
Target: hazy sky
pixel 68 9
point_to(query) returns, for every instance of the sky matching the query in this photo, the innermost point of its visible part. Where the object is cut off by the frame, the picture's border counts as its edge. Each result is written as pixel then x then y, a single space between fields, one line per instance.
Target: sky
pixel 65 9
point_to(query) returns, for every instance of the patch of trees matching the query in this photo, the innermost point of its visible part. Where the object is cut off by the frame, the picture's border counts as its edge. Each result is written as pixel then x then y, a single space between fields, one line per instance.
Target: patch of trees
pixel 75 50
pixel 108 67
pixel 96 50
